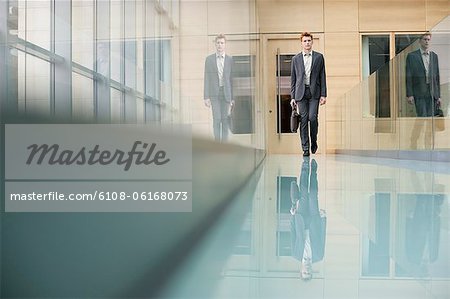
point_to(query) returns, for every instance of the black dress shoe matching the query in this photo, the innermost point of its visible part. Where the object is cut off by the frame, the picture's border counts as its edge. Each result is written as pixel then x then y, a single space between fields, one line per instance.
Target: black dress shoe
pixel 305 153
pixel 314 148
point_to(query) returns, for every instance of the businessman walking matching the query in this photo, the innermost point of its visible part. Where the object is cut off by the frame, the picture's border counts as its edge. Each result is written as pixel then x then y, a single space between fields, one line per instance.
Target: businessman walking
pixel 308 90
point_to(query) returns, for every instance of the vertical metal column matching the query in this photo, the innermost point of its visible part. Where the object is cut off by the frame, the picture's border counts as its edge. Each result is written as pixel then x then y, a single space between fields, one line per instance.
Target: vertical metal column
pixel 62 70
pixel 102 86
pixel 278 93
pixel 130 60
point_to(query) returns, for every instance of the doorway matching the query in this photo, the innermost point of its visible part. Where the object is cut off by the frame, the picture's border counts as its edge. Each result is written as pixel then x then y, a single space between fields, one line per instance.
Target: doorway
pixel 280 49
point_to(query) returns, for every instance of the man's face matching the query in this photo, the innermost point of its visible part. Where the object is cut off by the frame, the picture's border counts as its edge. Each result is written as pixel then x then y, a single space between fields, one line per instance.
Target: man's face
pixel 307 43
pixel 220 45
pixel 425 42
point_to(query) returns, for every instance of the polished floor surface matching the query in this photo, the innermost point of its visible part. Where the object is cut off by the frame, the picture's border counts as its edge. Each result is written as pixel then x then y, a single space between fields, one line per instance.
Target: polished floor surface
pixel 370 227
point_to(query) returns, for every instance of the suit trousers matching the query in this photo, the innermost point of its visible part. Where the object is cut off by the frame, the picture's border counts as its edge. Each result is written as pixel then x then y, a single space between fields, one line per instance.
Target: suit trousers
pixel 424 104
pixel 220 109
pixel 308 109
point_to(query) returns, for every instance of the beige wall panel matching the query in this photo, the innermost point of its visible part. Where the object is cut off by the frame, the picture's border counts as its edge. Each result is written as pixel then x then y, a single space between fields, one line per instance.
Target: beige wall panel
pixel 193 51
pixel 369 139
pixel 193 18
pixel 192 66
pixel 192 89
pixel 392 15
pixel 337 87
pixel 353 105
pixel 442 133
pixel 436 11
pixel 342 54
pixel 229 17
pixel 334 135
pixel 195 44
pixel 290 16
pixel 356 134
pixel 415 133
pixel 388 141
pixel 191 101
pixel 341 15
pixel 405 129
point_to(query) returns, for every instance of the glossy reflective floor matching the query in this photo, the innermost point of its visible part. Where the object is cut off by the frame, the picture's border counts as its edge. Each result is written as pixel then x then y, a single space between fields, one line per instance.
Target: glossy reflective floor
pixel 329 227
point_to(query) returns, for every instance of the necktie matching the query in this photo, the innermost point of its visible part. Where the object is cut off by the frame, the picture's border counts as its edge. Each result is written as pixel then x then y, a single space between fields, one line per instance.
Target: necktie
pixel 426 62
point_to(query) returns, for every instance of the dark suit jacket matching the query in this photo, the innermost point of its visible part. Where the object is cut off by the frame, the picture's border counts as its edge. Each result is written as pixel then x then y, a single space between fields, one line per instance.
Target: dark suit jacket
pixel 318 82
pixel 415 75
pixel 317 232
pixel 211 78
pixel 307 217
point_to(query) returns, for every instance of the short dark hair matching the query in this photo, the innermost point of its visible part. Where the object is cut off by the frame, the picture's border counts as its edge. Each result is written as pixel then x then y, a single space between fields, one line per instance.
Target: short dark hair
pixel 307 34
pixel 220 36
pixel 428 33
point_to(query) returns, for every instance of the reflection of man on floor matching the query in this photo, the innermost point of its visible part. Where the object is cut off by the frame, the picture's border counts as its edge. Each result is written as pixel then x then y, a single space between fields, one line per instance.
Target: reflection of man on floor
pixel 423 230
pixel 308 224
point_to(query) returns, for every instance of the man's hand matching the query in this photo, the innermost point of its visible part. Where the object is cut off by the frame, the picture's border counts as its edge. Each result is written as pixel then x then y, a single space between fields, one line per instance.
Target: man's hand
pixel 207 102
pixel 410 100
pixel 293 103
pixel 323 100
pixel 439 102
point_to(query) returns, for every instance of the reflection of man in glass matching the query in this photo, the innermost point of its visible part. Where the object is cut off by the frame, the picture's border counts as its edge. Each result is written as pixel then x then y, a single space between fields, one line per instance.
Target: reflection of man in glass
pixel 218 87
pixel 422 78
pixel 308 224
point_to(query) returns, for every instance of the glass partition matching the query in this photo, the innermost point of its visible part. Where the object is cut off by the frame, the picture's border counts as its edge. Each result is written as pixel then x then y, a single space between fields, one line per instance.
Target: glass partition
pixel 129 61
pixel 379 112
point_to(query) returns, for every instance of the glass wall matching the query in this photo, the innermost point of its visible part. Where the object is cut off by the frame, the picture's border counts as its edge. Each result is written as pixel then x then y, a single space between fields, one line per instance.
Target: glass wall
pixel 134 62
pixel 92 60
pixel 204 103
pixel 415 113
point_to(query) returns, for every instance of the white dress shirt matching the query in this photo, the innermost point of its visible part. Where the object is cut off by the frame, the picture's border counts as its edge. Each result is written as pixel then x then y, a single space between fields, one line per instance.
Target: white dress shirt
pixel 307 61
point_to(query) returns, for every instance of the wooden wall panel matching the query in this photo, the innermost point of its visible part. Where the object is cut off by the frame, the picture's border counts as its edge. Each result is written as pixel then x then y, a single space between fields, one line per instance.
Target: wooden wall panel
pixel 193 18
pixel 290 16
pixel 341 15
pixel 392 15
pixel 337 87
pixel 436 10
pixel 193 53
pixel 229 17
pixel 342 54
